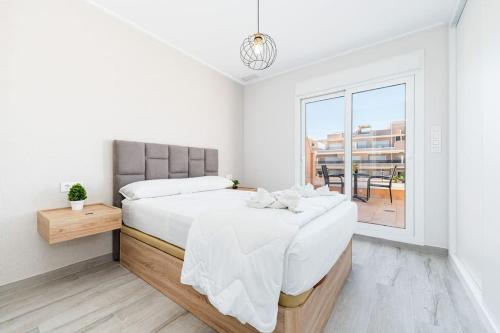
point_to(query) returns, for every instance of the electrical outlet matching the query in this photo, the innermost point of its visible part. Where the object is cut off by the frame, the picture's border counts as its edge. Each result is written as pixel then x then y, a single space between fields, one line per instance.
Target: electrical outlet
pixel 67 185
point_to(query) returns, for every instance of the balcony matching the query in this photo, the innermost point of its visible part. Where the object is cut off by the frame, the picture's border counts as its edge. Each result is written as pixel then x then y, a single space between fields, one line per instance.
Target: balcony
pixel 379 168
pixel 378 209
pixel 360 151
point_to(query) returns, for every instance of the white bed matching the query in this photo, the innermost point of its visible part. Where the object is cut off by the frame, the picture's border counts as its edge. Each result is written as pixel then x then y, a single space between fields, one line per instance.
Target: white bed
pixel 311 254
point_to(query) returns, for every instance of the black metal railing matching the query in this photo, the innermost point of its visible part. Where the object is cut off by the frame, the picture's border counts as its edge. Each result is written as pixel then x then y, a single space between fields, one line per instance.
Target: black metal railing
pixel 361 162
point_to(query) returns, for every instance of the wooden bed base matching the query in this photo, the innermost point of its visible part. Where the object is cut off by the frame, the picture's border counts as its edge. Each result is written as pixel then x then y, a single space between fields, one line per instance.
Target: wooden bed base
pixel 163 272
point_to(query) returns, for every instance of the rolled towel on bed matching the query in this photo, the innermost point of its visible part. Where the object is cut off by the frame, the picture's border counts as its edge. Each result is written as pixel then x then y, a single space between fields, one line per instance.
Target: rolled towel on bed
pixel 305 191
pixel 325 191
pixel 261 199
pixel 287 199
pixel 308 191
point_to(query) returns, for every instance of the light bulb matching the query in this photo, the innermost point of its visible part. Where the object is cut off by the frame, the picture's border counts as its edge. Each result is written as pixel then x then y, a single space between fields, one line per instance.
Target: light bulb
pixel 257 49
pixel 258 42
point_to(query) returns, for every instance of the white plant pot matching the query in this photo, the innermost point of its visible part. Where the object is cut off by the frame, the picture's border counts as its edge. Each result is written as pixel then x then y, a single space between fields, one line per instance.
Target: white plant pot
pixel 77 205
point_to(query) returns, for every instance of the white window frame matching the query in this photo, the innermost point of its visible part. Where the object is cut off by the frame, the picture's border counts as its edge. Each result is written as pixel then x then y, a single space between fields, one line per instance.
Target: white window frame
pixel 407 69
pixel 408 233
pixel 303 102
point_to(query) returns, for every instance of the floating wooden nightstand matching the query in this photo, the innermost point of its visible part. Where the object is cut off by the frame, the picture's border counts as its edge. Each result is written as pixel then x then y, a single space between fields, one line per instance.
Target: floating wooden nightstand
pixel 62 224
pixel 246 188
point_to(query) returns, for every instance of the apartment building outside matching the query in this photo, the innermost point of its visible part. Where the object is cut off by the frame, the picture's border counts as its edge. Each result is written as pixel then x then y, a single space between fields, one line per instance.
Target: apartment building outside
pixel 374 152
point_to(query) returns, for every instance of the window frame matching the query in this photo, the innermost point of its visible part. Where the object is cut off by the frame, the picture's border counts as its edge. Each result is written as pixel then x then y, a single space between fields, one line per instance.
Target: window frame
pixel 414 232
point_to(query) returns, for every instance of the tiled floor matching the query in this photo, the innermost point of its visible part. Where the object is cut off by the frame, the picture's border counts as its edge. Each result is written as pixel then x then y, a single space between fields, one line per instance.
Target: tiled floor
pixel 381 211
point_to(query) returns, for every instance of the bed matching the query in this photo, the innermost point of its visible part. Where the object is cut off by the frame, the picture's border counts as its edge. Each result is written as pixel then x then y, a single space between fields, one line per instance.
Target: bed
pixel 152 241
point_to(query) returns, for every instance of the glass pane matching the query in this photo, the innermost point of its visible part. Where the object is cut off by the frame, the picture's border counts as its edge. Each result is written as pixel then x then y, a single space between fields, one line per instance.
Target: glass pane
pixel 378 155
pixel 324 146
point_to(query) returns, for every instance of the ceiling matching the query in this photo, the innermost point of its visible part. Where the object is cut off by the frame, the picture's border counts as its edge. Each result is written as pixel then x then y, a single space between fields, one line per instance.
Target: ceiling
pixel 304 31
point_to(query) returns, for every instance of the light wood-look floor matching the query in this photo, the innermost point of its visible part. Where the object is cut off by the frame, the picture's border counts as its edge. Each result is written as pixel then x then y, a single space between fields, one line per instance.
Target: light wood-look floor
pixel 391 289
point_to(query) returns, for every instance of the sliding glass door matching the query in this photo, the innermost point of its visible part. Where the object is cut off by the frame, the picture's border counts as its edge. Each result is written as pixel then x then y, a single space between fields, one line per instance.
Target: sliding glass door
pixel 324 140
pixel 378 154
pixel 359 141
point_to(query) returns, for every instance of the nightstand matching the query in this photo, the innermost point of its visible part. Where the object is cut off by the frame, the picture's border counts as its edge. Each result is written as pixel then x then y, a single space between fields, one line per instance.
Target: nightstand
pixel 62 224
pixel 246 188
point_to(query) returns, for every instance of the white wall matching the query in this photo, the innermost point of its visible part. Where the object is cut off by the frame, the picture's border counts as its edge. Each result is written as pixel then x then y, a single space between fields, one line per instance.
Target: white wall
pixel 77 79
pixel 491 64
pixel 269 108
pixel 478 159
pixel 470 154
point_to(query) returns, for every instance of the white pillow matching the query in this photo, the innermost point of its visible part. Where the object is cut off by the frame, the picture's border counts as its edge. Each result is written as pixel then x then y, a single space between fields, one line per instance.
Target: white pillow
pixel 152 188
pixel 165 187
pixel 205 183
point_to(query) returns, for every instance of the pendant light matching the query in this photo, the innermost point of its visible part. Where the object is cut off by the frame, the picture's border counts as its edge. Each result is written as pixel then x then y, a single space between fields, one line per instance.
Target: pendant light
pixel 258 51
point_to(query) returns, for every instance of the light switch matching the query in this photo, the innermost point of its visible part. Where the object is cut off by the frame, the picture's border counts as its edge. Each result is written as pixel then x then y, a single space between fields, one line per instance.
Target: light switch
pixel 435 139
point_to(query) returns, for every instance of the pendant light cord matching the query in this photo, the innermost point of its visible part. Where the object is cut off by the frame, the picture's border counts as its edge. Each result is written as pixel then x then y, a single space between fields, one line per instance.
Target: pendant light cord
pixel 258 16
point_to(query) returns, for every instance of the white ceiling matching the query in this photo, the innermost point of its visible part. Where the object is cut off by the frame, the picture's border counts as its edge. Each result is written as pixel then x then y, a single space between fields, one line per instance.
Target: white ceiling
pixel 305 31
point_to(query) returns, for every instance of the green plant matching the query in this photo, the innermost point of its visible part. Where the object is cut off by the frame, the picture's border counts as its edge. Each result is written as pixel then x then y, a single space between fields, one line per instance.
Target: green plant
pixel 236 182
pixel 399 178
pixel 77 192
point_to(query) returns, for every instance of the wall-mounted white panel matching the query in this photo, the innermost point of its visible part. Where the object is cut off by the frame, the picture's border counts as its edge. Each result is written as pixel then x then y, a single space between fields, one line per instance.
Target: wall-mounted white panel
pixel 470 155
pixel 478 179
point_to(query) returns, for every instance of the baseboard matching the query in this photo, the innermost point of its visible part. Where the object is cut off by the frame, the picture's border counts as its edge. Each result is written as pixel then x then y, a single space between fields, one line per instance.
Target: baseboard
pixel 58 273
pixel 474 293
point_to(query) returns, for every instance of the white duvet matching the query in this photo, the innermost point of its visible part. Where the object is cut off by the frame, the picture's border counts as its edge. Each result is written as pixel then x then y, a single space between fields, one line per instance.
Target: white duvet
pixel 236 257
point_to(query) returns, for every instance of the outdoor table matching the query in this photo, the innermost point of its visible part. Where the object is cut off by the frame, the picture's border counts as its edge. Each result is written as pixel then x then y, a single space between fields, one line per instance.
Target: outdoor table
pixel 355 194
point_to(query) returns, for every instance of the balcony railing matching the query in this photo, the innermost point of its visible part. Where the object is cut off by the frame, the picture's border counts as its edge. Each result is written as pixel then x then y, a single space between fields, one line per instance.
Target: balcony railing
pixel 385 150
pixel 319 162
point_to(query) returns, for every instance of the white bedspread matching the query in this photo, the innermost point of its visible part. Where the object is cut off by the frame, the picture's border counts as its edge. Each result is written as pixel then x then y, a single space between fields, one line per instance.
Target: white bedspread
pixel 236 257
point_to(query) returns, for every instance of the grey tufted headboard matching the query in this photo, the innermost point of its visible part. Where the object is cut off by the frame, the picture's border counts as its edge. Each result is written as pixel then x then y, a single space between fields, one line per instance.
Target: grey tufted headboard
pixel 135 161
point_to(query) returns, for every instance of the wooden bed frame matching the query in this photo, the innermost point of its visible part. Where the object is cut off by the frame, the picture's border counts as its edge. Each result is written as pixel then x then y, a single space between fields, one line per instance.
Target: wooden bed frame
pixel 136 161
pixel 163 271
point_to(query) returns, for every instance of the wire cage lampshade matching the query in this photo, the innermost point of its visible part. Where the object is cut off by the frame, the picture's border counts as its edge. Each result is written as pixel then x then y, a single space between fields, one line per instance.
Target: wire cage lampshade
pixel 258 51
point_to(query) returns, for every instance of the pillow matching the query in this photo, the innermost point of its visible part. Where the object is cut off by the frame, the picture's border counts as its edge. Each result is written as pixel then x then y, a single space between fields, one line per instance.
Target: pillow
pixel 205 183
pixel 152 188
pixel 165 187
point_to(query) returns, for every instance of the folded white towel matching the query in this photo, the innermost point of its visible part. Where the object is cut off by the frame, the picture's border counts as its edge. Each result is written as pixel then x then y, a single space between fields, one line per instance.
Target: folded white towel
pixel 325 190
pixel 287 199
pixel 308 191
pixel 261 199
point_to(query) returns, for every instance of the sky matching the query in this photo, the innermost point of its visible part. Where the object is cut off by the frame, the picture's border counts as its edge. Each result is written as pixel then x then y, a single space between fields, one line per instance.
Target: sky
pixel 373 107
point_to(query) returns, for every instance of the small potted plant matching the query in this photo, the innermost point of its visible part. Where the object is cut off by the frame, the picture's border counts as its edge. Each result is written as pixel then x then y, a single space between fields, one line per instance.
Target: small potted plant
pixel 236 182
pixel 77 196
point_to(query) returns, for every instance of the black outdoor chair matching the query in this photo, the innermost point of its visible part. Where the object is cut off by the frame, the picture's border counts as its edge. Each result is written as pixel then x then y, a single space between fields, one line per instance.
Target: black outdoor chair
pixel 382 184
pixel 327 177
